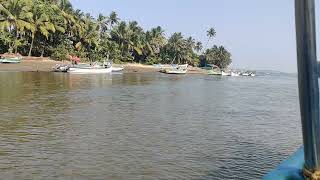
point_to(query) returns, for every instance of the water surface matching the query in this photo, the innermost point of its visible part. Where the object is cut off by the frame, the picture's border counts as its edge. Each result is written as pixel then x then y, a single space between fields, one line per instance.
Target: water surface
pixel 145 126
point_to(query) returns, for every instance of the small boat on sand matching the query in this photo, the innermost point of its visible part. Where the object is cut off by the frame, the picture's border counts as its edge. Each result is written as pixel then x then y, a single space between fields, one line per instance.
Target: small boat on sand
pixel 180 69
pixel 61 68
pixel 225 73
pixel 117 69
pixel 215 70
pixel 234 74
pixel 11 58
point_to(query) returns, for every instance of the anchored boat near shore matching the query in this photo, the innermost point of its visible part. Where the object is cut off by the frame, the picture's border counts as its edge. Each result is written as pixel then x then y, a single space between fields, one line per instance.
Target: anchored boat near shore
pixel 175 69
pixel 87 68
pixel 11 58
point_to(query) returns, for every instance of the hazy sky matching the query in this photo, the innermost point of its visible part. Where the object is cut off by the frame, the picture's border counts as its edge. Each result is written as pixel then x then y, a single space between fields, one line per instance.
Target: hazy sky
pixel 259 33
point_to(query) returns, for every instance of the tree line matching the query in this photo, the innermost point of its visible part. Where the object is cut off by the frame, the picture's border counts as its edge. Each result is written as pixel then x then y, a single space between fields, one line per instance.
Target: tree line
pixel 54 28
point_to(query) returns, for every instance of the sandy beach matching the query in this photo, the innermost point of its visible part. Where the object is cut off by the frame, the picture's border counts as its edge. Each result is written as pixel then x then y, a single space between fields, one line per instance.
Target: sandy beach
pixel 35 64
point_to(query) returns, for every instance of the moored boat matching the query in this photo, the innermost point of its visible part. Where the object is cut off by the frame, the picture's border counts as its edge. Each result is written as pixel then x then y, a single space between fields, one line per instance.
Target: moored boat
pixel 225 73
pixel 215 70
pixel 117 69
pixel 234 74
pixel 90 70
pixel 245 74
pixel 97 68
pixel 61 68
pixel 15 59
pixel 180 69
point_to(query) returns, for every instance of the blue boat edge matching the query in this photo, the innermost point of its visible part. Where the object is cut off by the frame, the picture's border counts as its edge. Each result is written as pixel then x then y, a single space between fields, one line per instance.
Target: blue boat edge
pixel 289 169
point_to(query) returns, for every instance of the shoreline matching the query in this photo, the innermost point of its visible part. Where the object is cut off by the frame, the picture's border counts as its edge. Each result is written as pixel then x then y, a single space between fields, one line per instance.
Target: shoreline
pixel 37 64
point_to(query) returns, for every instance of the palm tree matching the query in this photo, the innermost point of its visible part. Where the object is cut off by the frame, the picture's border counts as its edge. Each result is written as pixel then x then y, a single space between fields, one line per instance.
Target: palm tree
pixel 40 22
pixel 15 17
pixel 218 56
pixel 176 45
pixel 113 19
pixel 198 46
pixel 155 40
pixel 191 43
pixel 102 24
pixel 211 33
pixel 88 34
pixel 120 34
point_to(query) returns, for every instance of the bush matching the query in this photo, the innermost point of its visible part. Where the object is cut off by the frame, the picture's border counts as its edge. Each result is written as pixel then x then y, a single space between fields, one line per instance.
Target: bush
pixel 152 60
pixel 62 52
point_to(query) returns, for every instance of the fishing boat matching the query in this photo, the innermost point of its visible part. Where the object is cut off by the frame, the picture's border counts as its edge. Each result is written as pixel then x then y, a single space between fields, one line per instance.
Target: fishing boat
pixel 117 69
pixel 234 74
pixel 90 70
pixel 245 74
pixel 180 69
pixel 61 68
pixel 225 73
pixel 16 59
pixel 214 70
pixel 96 68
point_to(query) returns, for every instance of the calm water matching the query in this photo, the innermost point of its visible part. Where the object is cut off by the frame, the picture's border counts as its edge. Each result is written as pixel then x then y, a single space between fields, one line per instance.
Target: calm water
pixel 145 126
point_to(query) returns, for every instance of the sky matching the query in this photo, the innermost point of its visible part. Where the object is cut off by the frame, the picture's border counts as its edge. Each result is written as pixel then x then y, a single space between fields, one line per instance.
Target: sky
pixel 260 34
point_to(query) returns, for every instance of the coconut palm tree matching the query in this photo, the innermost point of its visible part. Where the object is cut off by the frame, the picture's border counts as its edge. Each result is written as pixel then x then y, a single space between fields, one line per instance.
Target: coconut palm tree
pixel 211 33
pixel 155 40
pixel 113 19
pixel 15 17
pixel 218 56
pixel 102 23
pixel 88 34
pixel 198 46
pixel 40 22
pixel 176 45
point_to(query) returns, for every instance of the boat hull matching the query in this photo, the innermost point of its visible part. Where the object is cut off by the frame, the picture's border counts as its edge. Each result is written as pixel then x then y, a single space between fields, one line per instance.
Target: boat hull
pixel 11 60
pixel 90 70
pixel 176 72
pixel 225 74
pixel 211 72
pixel 117 69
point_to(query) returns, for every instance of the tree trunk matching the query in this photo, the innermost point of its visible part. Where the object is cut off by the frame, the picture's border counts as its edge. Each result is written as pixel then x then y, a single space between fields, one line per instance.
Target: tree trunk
pixel 31 46
pixel 15 43
pixel 16 39
pixel 206 47
pixel 42 52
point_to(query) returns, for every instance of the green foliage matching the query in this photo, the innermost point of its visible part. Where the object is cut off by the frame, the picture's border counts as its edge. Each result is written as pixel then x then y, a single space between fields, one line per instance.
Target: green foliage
pixel 218 56
pixel 54 28
pixel 62 52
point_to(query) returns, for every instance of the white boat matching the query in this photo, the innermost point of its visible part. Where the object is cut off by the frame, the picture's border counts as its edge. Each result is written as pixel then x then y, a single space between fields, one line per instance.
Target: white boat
pixel 117 69
pixel 180 69
pixel 245 74
pixel 176 71
pixel 234 74
pixel 225 73
pixel 90 70
pixel 61 68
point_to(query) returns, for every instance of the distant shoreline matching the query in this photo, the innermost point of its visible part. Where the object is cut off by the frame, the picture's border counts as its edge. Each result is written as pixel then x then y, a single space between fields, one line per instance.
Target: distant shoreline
pixel 37 64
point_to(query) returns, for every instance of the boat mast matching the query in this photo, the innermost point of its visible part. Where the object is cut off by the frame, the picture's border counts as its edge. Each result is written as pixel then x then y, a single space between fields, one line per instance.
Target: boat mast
pixel 308 83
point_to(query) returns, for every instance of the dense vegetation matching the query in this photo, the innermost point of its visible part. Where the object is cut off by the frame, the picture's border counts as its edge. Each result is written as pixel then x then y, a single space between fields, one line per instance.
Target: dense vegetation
pixel 54 28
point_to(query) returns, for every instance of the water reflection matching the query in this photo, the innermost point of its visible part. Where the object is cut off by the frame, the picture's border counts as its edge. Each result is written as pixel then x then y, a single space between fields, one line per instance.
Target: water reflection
pixel 145 126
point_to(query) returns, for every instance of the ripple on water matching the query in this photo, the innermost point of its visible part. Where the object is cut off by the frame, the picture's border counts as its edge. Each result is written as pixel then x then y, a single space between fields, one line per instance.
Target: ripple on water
pixel 145 126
